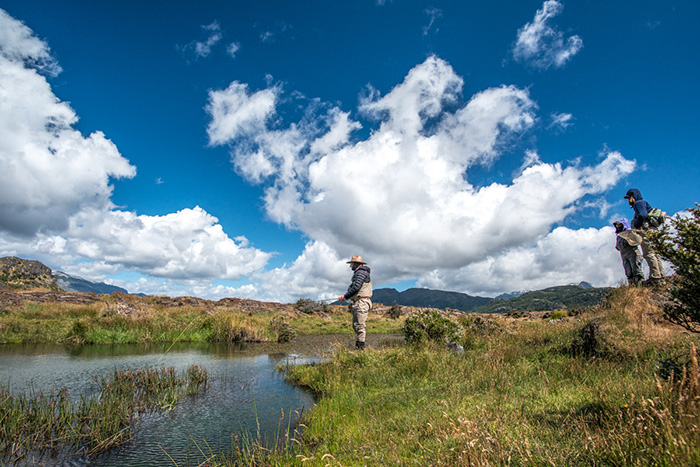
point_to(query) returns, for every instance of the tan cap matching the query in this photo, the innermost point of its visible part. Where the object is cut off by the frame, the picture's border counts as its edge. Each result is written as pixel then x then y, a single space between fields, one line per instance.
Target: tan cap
pixel 356 259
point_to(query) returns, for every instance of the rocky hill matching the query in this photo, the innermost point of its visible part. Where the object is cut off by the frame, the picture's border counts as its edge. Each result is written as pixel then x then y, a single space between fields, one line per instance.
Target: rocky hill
pixel 22 274
pixel 17 273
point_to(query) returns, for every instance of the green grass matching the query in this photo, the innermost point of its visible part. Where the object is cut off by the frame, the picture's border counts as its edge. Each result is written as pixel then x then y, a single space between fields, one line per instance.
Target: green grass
pixel 516 396
pixel 98 324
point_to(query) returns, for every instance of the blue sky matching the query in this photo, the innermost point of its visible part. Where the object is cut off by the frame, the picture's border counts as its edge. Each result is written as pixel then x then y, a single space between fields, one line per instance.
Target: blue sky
pixel 250 148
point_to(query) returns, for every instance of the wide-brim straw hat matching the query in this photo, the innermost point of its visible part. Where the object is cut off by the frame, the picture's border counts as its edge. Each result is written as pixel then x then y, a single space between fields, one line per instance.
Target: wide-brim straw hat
pixel 356 259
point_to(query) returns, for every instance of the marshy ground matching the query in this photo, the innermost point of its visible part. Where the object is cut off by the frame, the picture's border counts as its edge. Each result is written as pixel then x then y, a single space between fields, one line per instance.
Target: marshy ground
pixel 611 385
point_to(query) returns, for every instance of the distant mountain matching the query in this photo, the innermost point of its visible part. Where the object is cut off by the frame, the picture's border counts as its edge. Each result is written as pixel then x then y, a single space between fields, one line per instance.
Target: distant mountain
pixel 553 298
pixel 78 284
pixel 428 298
pixel 506 296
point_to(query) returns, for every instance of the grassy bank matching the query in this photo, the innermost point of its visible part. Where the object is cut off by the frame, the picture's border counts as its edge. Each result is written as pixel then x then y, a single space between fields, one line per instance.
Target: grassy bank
pixel 587 390
pixel 120 319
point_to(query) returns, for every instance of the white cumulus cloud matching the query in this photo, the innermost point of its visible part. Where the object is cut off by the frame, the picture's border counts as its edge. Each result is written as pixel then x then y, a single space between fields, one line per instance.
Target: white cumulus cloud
pixel 403 196
pixel 561 257
pixel 48 170
pixel 541 45
pixel 55 191
pixel 187 244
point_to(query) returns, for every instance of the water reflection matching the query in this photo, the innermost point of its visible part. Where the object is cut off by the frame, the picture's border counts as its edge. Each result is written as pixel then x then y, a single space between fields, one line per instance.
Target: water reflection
pixel 246 394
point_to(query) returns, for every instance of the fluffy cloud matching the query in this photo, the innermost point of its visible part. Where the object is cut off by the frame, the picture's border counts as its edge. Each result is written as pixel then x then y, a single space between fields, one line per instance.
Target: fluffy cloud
pixel 317 273
pixel 403 196
pixel 48 170
pixel 188 244
pixel 542 46
pixel 55 192
pixel 236 113
pixel 561 257
pixel 18 44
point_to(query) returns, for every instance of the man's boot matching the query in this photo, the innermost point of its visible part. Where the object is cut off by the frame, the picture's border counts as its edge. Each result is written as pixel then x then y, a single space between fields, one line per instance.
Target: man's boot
pixel 360 345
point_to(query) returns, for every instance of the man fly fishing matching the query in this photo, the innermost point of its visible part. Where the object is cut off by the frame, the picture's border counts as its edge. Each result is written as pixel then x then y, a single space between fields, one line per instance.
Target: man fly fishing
pixel 359 294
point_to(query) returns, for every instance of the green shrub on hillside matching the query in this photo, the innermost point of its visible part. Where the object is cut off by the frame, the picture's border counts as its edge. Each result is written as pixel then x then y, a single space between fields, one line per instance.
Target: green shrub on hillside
pixel 430 325
pixel 681 247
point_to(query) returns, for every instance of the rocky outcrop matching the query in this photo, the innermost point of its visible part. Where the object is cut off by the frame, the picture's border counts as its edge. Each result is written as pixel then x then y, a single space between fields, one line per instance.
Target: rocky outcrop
pixel 8 298
pixel 17 273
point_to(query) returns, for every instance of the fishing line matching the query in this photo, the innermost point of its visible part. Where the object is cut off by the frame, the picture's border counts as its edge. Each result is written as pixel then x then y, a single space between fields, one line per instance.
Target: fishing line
pixel 174 342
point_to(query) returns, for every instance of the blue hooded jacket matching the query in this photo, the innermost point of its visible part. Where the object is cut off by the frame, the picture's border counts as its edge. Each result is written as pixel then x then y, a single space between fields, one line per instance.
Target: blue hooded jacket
pixel 641 208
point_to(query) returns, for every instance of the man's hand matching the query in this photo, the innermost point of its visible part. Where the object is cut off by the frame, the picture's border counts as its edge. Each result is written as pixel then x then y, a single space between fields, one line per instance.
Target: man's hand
pixel 341 298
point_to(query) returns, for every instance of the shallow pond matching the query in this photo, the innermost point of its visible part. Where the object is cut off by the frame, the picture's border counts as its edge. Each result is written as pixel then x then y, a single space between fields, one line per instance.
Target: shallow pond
pixel 247 393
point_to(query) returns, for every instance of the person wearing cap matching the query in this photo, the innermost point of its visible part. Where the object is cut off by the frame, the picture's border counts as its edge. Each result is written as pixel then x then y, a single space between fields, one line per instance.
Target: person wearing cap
pixel 640 221
pixel 627 244
pixel 359 294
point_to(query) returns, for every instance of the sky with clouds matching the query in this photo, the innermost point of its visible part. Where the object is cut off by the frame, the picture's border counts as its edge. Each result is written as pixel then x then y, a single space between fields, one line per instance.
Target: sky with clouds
pixel 249 149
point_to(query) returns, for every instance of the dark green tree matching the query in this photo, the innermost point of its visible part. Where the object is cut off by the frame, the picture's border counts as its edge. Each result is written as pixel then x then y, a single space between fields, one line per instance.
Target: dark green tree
pixel 679 243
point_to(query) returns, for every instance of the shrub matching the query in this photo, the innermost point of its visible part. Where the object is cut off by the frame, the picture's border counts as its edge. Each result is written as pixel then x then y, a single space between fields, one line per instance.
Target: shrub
pixel 430 325
pixel 682 249
pixel 283 330
pixel 480 325
pixel 587 341
pixel 308 306
pixel 395 311
pixel 559 314
pixel 78 332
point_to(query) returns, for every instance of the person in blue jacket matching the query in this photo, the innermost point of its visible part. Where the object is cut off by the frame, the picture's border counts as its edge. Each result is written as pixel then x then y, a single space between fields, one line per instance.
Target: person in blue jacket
pixel 640 222
pixel 359 294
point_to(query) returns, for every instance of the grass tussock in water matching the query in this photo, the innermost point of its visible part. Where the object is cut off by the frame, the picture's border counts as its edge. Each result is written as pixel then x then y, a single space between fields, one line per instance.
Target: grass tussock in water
pixel 120 319
pixel 612 386
pixel 38 423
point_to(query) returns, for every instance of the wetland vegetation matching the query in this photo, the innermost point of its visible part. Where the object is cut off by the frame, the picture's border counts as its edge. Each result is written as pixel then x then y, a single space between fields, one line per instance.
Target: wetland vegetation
pixel 614 384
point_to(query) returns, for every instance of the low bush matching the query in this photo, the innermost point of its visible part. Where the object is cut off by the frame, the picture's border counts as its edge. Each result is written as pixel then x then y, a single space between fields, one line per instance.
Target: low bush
pixel 431 325
pixel 395 311
pixel 282 329
pixel 308 306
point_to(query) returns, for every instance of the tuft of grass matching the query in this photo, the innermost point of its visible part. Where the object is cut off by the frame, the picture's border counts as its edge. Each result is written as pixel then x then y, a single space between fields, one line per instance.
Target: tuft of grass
pixel 40 423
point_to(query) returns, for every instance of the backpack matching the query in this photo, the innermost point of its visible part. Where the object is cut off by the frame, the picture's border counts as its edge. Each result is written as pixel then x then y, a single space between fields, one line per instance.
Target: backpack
pixel 656 217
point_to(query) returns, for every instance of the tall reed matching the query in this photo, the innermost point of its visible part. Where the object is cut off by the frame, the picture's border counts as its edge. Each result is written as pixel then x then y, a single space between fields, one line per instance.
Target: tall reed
pixel 37 422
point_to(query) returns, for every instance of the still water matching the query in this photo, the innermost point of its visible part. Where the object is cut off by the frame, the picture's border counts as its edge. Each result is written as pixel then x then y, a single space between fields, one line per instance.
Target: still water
pixel 247 393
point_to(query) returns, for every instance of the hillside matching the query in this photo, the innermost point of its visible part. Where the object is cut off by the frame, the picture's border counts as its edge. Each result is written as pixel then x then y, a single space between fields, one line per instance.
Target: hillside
pixel 17 273
pixel 427 298
pixel 553 298
pixel 550 299
pixel 21 274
